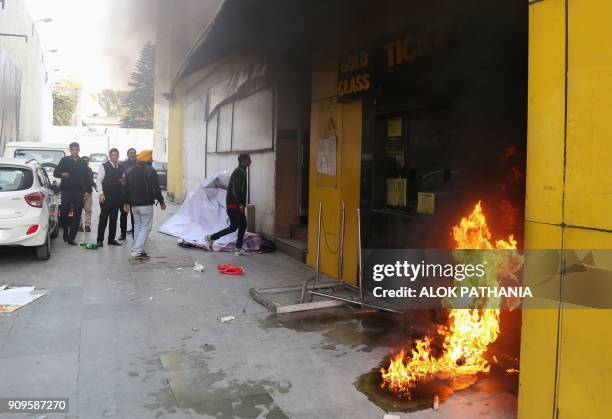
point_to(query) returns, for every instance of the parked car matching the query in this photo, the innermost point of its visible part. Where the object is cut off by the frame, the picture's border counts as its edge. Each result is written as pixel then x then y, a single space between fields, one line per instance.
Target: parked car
pixel 29 209
pixel 162 173
pixel 96 160
pixel 47 154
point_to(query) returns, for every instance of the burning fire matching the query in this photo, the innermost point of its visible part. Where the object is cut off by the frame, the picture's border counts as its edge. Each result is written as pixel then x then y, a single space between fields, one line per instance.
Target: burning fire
pixel 468 332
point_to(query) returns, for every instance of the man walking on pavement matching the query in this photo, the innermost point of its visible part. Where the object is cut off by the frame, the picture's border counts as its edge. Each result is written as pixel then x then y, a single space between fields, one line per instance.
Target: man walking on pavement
pixel 142 190
pixel 111 197
pixel 236 205
pixel 74 186
pixel 128 164
pixel 87 203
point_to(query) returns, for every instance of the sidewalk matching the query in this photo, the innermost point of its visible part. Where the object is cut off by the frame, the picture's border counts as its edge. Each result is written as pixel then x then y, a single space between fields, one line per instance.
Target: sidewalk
pixel 144 341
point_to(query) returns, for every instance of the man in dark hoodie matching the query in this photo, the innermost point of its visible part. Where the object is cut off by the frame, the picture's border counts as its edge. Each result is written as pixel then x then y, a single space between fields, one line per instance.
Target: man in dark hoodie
pixel 236 205
pixel 141 192
pixel 75 184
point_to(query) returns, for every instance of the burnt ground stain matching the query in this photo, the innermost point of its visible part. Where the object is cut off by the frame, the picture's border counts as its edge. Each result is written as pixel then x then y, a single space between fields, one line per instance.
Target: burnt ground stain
pixel 193 386
pixel 476 387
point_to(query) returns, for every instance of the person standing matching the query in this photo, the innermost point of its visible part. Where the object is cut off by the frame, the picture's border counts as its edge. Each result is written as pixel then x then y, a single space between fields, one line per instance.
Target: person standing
pixel 74 185
pixel 236 205
pixel 142 190
pixel 111 197
pixel 127 164
pixel 87 203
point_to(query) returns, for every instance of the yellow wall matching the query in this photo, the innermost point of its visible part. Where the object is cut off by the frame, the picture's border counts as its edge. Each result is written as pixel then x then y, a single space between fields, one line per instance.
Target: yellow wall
pixel 175 147
pixel 329 118
pixel 566 355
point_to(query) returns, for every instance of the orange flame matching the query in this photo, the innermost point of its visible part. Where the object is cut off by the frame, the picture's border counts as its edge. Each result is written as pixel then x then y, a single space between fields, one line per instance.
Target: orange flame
pixel 468 333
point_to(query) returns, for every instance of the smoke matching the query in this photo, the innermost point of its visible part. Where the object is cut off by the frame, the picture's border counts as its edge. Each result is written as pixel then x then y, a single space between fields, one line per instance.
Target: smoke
pixel 130 24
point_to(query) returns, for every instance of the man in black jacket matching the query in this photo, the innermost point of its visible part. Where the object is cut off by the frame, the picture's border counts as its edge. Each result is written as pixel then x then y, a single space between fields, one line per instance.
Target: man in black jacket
pixel 127 164
pixel 141 192
pixel 236 205
pixel 111 197
pixel 74 186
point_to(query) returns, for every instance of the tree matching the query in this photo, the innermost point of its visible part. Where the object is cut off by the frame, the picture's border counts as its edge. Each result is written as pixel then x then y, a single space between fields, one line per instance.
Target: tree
pixel 112 102
pixel 63 109
pixel 139 100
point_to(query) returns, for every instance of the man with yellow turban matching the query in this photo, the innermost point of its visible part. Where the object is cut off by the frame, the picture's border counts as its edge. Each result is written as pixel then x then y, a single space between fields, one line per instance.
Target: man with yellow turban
pixel 141 192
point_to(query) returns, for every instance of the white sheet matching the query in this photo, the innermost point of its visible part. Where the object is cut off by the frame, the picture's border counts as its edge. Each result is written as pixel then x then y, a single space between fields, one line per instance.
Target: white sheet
pixel 203 212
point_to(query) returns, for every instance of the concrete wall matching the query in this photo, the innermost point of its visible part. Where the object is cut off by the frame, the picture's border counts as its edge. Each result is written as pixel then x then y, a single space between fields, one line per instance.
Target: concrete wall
pixel 36 104
pixel 178 29
pixel 103 140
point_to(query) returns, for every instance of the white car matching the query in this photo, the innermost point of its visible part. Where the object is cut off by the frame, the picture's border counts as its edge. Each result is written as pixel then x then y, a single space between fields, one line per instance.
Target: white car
pixel 29 210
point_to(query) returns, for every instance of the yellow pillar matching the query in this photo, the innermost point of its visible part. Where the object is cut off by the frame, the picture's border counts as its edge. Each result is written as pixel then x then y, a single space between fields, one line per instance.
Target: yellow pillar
pixel 175 147
pixel 566 354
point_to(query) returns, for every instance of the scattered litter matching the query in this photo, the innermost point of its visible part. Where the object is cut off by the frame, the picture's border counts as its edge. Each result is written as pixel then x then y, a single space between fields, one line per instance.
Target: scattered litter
pixel 195 329
pixel 169 289
pixel 226 319
pixel 13 298
pixel 178 269
pixel 436 403
pixel 198 267
pixel 150 298
pixel 228 269
pixel 391 417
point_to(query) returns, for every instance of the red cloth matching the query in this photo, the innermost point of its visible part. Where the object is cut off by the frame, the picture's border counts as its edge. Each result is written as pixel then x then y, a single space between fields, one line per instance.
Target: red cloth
pixel 228 269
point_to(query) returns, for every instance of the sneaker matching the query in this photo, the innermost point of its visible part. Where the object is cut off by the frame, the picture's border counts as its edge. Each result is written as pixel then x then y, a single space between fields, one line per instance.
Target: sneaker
pixel 87 229
pixel 143 255
pixel 100 242
pixel 239 252
pixel 81 229
pixel 122 237
pixel 209 242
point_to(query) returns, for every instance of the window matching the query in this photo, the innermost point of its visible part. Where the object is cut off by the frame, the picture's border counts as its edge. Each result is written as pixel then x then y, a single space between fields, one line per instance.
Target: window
pixel 97 158
pixel 41 156
pixel 15 179
pixel 243 125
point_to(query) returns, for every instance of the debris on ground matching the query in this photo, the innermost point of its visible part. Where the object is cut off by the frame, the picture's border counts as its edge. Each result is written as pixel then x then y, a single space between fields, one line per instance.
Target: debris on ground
pixel 169 289
pixel 198 267
pixel 151 298
pixel 195 329
pixel 228 269
pixel 12 298
pixel 226 319
pixel 391 417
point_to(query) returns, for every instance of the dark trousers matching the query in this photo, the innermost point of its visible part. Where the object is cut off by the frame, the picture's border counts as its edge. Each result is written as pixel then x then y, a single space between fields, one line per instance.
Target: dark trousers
pixel 109 211
pixel 74 200
pixel 238 222
pixel 123 221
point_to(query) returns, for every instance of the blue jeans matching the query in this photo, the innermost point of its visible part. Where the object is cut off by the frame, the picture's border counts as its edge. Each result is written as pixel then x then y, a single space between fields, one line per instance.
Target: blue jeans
pixel 143 223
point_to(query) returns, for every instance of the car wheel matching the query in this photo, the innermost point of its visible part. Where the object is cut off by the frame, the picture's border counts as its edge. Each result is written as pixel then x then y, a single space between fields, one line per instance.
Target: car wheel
pixel 43 252
pixel 55 231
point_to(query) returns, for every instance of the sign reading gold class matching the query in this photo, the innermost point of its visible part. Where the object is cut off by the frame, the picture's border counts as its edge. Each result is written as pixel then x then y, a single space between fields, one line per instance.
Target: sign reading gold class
pixel 354 75
pixel 358 70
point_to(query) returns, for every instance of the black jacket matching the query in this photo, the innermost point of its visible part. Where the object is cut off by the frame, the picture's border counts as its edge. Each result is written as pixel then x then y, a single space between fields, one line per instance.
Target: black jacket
pixel 92 182
pixel 78 181
pixel 111 184
pixel 237 188
pixel 142 186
